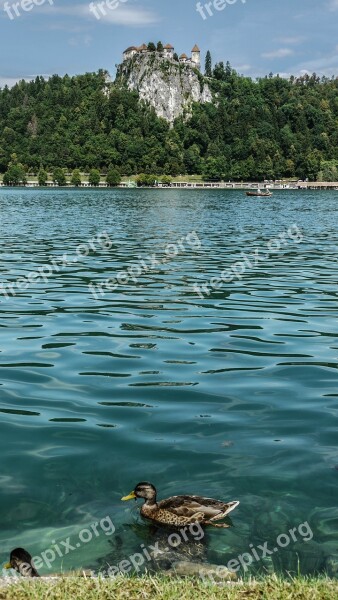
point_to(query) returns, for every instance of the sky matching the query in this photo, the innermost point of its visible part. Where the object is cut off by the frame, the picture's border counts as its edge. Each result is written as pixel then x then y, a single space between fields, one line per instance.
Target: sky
pixel 256 36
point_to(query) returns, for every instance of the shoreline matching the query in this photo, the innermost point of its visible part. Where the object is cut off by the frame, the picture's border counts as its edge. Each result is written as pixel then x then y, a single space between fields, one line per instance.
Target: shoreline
pixel 163 587
pixel 234 186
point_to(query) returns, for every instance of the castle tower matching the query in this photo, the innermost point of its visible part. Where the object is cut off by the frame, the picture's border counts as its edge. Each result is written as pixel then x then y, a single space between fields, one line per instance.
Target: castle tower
pixel 196 57
pixel 169 51
pixel 143 49
pixel 130 52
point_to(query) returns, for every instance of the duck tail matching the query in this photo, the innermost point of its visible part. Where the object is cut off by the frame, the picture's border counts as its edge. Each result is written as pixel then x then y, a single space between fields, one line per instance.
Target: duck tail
pixel 231 506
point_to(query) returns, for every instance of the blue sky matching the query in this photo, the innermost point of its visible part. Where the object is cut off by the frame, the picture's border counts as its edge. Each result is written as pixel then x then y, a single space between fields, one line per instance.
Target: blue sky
pixel 256 36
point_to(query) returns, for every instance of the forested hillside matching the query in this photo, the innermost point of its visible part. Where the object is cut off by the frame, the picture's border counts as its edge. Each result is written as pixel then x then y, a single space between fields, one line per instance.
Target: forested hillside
pixel 261 129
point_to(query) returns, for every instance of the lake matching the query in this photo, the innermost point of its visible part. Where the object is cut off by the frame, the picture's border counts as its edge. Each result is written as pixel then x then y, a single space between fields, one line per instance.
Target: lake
pixel 114 369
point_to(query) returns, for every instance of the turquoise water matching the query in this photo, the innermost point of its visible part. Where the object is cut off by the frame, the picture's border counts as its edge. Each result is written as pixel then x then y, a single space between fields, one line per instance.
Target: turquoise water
pixel 233 395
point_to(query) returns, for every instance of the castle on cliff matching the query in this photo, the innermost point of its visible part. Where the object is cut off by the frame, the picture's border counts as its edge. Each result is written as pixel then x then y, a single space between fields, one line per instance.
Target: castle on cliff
pixel 168 53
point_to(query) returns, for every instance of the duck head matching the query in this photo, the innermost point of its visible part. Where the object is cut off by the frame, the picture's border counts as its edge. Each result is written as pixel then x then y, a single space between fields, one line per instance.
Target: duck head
pixel 21 561
pixel 142 490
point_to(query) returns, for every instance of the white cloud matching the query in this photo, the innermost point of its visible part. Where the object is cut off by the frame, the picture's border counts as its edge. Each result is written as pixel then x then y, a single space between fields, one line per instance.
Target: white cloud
pixel 326 65
pixel 11 81
pixel 122 15
pixel 281 53
pixel 242 68
pixel 292 40
pixel 333 5
pixel 67 27
pixel 80 40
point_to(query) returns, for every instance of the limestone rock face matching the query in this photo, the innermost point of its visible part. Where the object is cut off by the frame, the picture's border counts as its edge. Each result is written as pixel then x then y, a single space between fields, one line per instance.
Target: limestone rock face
pixel 168 86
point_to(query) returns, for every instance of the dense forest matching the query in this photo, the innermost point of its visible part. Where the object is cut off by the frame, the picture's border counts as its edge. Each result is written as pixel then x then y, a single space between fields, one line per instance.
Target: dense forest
pixel 264 129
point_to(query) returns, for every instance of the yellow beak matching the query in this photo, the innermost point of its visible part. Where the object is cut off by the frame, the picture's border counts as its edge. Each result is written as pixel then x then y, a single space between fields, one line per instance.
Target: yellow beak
pixel 8 566
pixel 132 496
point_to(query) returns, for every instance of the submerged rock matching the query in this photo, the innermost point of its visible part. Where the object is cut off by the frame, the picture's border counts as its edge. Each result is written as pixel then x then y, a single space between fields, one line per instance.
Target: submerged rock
pixel 161 548
pixel 207 572
pixel 332 566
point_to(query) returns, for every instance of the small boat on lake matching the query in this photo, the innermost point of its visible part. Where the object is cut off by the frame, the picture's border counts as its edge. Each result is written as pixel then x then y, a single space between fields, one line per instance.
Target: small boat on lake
pixel 264 194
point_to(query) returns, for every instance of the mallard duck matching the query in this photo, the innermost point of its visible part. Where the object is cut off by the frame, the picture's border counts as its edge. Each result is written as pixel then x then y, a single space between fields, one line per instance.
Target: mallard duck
pixel 22 562
pixel 180 510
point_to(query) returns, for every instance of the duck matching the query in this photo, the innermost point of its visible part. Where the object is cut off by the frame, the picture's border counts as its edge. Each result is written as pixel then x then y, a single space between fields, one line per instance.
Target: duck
pixel 21 561
pixel 178 511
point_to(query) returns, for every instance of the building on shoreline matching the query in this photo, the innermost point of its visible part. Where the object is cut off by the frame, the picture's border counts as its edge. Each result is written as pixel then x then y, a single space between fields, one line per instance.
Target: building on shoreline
pixel 168 53
pixel 221 185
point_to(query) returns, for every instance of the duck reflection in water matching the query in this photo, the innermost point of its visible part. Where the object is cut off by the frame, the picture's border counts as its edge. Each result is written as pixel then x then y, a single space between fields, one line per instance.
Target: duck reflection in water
pixel 161 548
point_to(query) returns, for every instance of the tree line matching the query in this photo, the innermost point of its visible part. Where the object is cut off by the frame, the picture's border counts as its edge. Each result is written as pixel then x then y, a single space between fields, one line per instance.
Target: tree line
pixel 16 174
pixel 267 128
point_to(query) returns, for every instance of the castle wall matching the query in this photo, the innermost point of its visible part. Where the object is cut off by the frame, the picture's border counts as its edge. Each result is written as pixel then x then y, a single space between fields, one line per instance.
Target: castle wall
pixel 194 61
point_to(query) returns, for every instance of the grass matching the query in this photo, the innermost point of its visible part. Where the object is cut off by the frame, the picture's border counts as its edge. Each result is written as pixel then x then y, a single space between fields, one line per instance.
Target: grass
pixel 165 588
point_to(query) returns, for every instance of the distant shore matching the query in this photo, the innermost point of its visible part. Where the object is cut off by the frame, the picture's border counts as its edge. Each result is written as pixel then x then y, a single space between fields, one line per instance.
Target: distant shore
pixel 191 185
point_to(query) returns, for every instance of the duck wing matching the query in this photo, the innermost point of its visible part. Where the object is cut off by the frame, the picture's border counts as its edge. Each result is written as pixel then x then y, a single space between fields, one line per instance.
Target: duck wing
pixel 188 506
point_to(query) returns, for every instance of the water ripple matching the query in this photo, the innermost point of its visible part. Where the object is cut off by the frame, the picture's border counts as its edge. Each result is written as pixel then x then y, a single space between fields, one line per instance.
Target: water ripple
pixel 231 395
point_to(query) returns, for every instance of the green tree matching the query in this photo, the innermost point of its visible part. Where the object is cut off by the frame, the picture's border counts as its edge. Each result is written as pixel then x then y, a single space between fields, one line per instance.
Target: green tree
pixel 266 128
pixel 76 178
pixel 59 177
pixel 328 170
pixel 166 180
pixel 15 175
pixel 219 72
pixel 313 165
pixel 3 162
pixel 141 180
pixel 228 70
pixel 214 169
pixel 9 135
pixel 42 177
pixel 146 180
pixel 113 178
pixel 94 177
pixel 192 160
pixel 289 168
pixel 160 47
pixel 208 65
pixel 152 180
pixel 151 47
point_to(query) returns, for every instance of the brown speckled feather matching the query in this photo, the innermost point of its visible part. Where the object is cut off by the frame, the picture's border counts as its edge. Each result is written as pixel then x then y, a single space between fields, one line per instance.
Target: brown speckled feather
pixel 187 506
pixel 181 510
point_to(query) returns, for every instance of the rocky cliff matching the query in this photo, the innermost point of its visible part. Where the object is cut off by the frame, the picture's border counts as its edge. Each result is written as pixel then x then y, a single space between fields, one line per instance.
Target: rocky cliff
pixel 170 87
